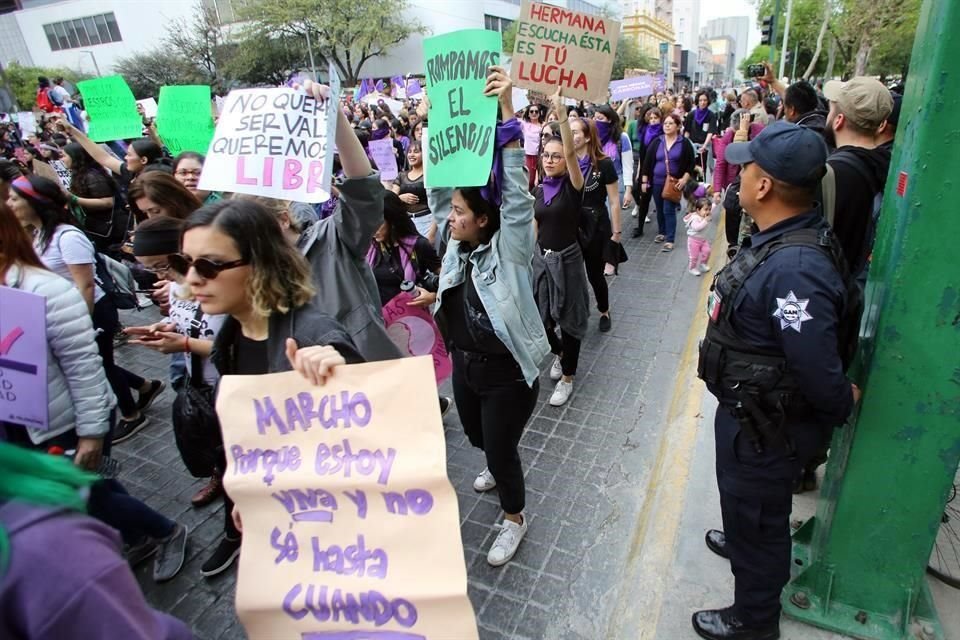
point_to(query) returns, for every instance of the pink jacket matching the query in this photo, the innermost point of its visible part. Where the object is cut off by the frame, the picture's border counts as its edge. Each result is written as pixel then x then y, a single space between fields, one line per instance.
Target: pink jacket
pixel 723 173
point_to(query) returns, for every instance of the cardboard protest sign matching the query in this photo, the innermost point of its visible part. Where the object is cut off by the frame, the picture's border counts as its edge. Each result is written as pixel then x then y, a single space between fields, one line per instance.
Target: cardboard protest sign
pixel 149 107
pixel 556 47
pixel 28 123
pixel 23 358
pixel 275 142
pixel 382 153
pixel 520 101
pixel 111 109
pixel 635 87
pixel 184 118
pixel 462 119
pixel 350 526
pixel 415 333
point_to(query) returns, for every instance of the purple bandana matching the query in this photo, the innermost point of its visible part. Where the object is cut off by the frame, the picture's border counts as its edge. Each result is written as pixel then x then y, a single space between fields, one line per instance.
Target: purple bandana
pixel 652 131
pixel 605 129
pixel 700 116
pixel 586 163
pixel 380 134
pixel 506 132
pixel 551 187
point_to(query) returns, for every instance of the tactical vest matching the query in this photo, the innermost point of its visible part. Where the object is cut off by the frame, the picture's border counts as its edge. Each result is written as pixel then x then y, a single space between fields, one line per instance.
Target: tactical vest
pixel 757 379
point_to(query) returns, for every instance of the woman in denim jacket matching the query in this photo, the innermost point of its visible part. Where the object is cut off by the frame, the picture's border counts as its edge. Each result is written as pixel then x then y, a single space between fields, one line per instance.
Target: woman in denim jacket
pixel 485 300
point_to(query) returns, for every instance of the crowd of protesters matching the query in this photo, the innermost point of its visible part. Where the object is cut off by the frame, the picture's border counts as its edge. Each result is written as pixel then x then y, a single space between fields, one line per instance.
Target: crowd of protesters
pixel 229 272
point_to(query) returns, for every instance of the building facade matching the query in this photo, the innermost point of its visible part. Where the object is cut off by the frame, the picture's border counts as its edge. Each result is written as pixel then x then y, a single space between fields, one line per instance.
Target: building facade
pixel 686 23
pixel 648 32
pixel 738 28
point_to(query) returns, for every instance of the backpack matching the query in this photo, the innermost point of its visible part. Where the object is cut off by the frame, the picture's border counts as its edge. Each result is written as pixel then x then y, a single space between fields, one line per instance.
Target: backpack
pixel 44 103
pixel 828 200
pixel 116 280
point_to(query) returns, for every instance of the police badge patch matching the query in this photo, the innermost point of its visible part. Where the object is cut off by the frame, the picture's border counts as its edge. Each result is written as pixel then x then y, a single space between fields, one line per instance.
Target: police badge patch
pixel 792 312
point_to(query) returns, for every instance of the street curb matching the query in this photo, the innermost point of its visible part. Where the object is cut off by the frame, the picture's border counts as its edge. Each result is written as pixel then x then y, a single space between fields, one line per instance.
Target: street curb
pixel 652 548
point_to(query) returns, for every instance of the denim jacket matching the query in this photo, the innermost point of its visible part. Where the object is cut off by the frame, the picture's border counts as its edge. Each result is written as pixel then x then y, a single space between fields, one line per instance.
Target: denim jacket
pixel 502 271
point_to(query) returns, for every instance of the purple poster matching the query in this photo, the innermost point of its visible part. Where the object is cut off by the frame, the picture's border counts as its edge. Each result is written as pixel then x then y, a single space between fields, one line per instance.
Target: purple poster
pixel 635 87
pixel 23 358
pixel 383 154
pixel 414 89
pixel 414 331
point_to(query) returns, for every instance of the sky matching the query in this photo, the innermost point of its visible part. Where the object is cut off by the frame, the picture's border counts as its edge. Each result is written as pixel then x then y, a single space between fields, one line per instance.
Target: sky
pixel 723 8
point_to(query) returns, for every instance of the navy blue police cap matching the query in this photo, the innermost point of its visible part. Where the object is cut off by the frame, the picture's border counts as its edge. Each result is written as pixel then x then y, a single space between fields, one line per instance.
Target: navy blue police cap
pixel 790 153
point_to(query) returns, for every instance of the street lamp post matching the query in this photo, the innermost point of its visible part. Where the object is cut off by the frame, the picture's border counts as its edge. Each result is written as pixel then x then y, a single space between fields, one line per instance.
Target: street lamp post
pixel 94 58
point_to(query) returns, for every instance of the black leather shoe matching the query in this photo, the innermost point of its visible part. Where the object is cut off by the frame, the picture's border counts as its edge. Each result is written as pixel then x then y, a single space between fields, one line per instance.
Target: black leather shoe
pixel 721 624
pixel 717 543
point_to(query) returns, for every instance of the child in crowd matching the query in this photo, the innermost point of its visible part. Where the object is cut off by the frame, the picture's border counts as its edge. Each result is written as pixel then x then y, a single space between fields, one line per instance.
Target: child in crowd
pixel 698 241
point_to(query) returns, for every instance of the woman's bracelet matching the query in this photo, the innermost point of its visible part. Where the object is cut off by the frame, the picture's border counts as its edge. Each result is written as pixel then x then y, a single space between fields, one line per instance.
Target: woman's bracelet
pixel 186 344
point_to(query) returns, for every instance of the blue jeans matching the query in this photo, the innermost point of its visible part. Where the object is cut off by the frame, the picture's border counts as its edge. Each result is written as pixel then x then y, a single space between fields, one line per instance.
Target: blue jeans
pixel 110 503
pixel 666 214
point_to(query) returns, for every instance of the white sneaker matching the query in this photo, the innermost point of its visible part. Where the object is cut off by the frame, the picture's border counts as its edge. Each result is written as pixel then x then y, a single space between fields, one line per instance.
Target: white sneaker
pixel 694 272
pixel 485 481
pixel 704 267
pixel 647 219
pixel 561 394
pixel 556 370
pixel 635 212
pixel 507 542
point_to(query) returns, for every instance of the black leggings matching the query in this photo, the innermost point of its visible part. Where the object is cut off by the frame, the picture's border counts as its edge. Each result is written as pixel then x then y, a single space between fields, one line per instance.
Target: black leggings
pixel 106 319
pixel 731 225
pixel 567 347
pixel 494 403
pixel 594 262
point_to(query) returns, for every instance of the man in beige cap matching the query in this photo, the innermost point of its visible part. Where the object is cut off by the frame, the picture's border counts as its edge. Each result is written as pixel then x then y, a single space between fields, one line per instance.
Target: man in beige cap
pixel 857 109
pixel 856 175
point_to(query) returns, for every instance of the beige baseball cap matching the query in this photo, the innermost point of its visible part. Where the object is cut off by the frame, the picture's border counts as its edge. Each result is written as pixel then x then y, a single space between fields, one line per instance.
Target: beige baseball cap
pixel 864 101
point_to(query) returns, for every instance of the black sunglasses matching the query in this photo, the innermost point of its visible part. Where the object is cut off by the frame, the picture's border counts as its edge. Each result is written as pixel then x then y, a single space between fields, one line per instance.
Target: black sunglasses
pixel 207 269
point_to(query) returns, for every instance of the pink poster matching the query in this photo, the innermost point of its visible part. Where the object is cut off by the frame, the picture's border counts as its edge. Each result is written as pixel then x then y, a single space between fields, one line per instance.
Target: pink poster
pixel 23 358
pixel 415 333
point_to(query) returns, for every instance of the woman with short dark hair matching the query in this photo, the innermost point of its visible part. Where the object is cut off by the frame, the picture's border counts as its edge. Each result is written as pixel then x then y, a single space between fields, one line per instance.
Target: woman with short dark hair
pixel 187 168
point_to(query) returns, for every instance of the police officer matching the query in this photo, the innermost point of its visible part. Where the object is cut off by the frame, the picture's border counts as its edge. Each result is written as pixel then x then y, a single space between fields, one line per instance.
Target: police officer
pixel 772 354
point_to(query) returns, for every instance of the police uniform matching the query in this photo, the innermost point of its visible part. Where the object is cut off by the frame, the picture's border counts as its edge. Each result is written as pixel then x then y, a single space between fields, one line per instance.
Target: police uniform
pixel 771 358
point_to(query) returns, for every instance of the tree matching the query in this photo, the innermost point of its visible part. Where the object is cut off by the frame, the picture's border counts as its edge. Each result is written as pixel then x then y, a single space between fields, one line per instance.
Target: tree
pixel 263 59
pixel 200 41
pixel 146 72
pixel 629 56
pixel 347 33
pixel 22 81
pixel 509 37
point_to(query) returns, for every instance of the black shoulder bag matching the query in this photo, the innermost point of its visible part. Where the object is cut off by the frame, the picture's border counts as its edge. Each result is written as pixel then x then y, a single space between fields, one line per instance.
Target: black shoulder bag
pixel 196 427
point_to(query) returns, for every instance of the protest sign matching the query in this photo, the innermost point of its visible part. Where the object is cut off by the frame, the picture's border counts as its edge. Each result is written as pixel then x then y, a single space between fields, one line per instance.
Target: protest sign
pixel 520 101
pixel 28 123
pixel 415 333
pixel 184 118
pixel 635 87
pixel 23 358
pixel 149 107
pixel 462 119
pixel 111 109
pixel 274 142
pixel 383 154
pixel 350 526
pixel 558 47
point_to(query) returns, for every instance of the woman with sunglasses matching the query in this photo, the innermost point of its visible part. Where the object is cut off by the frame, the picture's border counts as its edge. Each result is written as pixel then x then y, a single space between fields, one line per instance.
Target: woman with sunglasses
pixel 186 330
pixel 531 125
pixel 560 285
pixel 40 205
pixel 237 262
pixel 486 302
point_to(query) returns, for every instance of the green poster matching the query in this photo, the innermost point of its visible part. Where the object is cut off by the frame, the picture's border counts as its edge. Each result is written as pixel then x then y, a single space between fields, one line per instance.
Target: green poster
pixel 462 121
pixel 111 108
pixel 184 119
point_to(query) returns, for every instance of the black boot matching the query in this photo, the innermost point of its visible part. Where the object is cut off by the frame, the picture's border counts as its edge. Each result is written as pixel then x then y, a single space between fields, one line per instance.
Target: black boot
pixel 717 542
pixel 722 624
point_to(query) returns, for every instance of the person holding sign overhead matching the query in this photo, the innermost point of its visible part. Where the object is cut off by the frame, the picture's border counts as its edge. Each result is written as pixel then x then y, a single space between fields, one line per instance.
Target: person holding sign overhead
pixel 560 284
pixel 485 300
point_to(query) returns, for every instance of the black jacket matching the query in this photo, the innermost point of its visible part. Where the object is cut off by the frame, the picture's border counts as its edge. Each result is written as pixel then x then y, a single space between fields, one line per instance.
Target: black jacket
pixel 308 325
pixel 858 181
pixel 814 120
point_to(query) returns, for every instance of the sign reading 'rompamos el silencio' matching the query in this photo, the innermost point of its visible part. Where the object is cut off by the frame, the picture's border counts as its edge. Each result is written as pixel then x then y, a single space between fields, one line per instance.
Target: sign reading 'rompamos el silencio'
pixel 556 47
pixel 350 525
pixel 462 120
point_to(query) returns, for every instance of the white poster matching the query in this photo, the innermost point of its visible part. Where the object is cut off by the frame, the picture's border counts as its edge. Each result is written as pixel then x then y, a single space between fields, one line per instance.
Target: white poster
pixel 274 142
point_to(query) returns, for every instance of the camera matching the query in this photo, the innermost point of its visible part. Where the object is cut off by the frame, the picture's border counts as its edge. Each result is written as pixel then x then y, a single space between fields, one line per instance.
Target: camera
pixel 756 70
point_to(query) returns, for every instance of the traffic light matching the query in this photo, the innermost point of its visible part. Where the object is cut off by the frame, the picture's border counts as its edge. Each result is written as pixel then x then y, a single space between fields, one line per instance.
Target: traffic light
pixel 766 31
